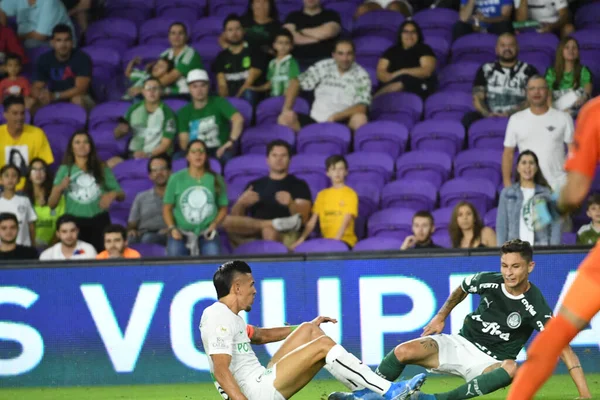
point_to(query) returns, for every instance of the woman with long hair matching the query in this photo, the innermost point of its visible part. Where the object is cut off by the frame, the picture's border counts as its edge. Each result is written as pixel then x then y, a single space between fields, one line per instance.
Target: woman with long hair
pixel 195 205
pixel 409 65
pixel 38 186
pixel 89 187
pixel 466 228
pixel 569 80
pixel 514 221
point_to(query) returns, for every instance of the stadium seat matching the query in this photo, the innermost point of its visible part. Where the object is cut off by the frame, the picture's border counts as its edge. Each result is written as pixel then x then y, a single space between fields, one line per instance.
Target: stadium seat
pixel 588 16
pixel 105 116
pixel 458 77
pixel 382 23
pixel 208 48
pixel 381 136
pixel 327 138
pixel 474 47
pixel 147 250
pixel 148 53
pixel 225 7
pixel 539 43
pixel 402 107
pixel 369 196
pixel 194 8
pixel 448 105
pixel 234 191
pixel 104 58
pixel 61 114
pixel 243 108
pixel 269 109
pixel 370 48
pixel 442 238
pixel 378 244
pixel 413 194
pixel 539 60
pixel 569 239
pixel 391 222
pixel 438 135
pixel 442 217
pixel 118 34
pixel 261 247
pixel 431 166
pixel 490 218
pixel 155 31
pixel 440 48
pixel 488 133
pixel 208 26
pixel 371 167
pixel 136 11
pixel 255 139
pixel 246 168
pixel 479 163
pixel 131 169
pixel 480 192
pixel 436 22
pixel 174 103
pixel 322 246
pixel 589 44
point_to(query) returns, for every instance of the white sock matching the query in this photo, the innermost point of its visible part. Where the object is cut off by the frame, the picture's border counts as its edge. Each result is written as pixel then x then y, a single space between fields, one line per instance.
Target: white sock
pixel 352 369
pixel 353 386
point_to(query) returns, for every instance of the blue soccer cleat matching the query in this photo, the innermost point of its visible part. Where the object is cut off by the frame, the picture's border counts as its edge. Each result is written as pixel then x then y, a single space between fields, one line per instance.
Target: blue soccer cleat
pixel 364 394
pixel 404 389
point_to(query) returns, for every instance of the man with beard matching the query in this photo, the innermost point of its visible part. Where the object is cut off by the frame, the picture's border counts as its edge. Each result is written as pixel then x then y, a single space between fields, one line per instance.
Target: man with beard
pixel 238 67
pixel 499 87
pixel 69 246
pixel 9 249
pixel 422 227
pixel 115 244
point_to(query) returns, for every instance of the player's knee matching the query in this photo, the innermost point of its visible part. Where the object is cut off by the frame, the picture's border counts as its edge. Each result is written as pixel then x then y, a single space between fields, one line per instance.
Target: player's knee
pixel 269 233
pixel 510 366
pixel 325 343
pixel 405 353
pixel 311 330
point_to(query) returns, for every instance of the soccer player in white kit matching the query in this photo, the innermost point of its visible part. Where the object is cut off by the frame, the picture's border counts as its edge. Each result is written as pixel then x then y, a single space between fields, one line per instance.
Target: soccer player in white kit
pixel 238 374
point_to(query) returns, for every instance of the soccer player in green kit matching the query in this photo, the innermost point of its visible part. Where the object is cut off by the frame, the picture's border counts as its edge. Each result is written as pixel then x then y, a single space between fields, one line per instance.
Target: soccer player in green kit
pixel 484 351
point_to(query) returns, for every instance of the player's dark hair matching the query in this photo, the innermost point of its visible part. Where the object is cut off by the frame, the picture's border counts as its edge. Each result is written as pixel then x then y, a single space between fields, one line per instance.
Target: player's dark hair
pixel 538 178
pixel 163 156
pixel 230 18
pixel 518 246
pixel 13 56
pixel 345 41
pixel 332 160
pixel 182 25
pixel 286 33
pixel 593 199
pixel 62 28
pixel 116 228
pixel 281 143
pixel 6 216
pixel 456 234
pixel 11 100
pixel 424 214
pixel 10 166
pixel 223 277
pixel 65 219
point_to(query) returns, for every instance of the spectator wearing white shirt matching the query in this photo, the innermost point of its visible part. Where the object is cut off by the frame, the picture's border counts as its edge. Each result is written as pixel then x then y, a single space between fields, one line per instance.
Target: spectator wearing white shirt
pixel 342 91
pixel 541 129
pixel 552 15
pixel 19 205
pixel 69 247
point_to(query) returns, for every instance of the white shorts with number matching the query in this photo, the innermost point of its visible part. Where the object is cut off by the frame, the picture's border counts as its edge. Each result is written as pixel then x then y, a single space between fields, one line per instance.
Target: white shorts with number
pixel 460 357
pixel 263 386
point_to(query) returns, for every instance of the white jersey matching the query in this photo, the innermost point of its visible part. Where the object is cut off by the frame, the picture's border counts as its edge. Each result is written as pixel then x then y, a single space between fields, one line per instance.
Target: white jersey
pixel 224 332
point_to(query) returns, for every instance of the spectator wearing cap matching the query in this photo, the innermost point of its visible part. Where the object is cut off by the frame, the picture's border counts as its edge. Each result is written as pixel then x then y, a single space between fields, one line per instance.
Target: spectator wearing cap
pixel 211 119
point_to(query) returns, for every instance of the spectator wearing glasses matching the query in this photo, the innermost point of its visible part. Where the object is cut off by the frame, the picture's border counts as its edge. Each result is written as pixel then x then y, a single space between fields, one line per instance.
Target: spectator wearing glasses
pixel 9 249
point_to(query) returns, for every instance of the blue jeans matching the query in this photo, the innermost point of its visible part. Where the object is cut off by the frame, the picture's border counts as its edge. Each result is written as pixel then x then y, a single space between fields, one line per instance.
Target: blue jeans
pixel 177 248
pixel 150 238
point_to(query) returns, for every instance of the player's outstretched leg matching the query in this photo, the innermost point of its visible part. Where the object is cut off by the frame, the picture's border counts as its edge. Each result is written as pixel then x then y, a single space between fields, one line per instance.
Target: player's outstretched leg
pixel 298 367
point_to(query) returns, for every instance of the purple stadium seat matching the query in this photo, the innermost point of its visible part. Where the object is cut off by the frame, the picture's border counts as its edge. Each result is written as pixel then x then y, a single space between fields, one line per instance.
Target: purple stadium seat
pixel 475 47
pixel 315 183
pixel 345 10
pixel 174 103
pixel 442 238
pixel 431 166
pixel 589 44
pixel 378 23
pixel 59 130
pixel 255 139
pixel 324 138
pixel 155 31
pixel 480 192
pixel 588 16
pixel 3 121
pixel 371 167
pixel 413 194
pixel 569 239
pixel 243 108
pixel 137 11
pixel 391 222
pixel 207 26
pixel 105 58
pixel 436 21
pixel 540 43
pixel 490 218
pixel 439 135
pixel 322 246
pixel 246 168
pixel 370 48
pixel 61 113
pixel 261 247
pixel 234 192
pixel 105 115
pixel 194 8
pixel 448 105
pixel 368 196
pixel 226 7
pixel 442 217
pixel 148 250
pixel 402 107
pixel 458 77
pixel 378 244
pixel 181 163
pixel 208 48
pixel 479 163
pixel 381 136
pixel 114 33
pixel 107 146
pixel 269 109
pixel 373 76
pixel 131 169
pixel 540 61
pixel 488 133
pixel 286 9
pixel 441 49
pixel 148 53
pixel 58 145
pixel 311 168
pixel 34 53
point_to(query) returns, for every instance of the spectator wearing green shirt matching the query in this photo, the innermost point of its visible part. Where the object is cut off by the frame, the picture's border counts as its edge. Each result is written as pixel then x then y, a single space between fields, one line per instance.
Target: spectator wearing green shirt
pixel 152 122
pixel 195 204
pixel 137 77
pixel 283 68
pixel 590 233
pixel 570 82
pixel 183 56
pixel 211 119
pixel 89 187
pixel 38 186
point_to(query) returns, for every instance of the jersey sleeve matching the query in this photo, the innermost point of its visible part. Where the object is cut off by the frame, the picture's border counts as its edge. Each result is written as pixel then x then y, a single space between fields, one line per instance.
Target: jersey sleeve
pixel 294 70
pixel 353 204
pixel 169 197
pixel 60 174
pixel 170 126
pixel 362 93
pixel 222 200
pixel 31 214
pixel 585 77
pixel 472 284
pixel 310 78
pixel 569 129
pixel 45 151
pixel 550 77
pixel 218 336
pixel 318 204
pixel 480 78
pixel 510 138
pixel 583 156
pixel 110 182
pixel 542 316
pixel 183 120
pixel 226 108
pixel 189 62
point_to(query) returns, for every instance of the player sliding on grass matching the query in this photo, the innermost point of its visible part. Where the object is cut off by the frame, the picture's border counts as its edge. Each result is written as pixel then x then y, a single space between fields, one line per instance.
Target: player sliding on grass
pixel 484 351
pixel 237 372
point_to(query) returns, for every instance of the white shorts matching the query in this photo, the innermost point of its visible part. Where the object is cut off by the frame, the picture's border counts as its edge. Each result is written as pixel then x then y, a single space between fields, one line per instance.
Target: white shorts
pixel 460 357
pixel 262 387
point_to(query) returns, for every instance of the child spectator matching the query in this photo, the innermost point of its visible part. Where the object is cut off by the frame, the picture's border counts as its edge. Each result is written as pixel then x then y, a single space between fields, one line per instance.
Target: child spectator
pixel 335 208
pixel 137 77
pixel 18 205
pixel 13 83
pixel 283 68
pixel 590 233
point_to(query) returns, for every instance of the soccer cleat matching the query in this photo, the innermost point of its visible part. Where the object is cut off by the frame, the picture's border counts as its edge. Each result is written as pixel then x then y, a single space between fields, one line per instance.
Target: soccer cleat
pixel 285 224
pixel 364 394
pixel 418 395
pixel 404 389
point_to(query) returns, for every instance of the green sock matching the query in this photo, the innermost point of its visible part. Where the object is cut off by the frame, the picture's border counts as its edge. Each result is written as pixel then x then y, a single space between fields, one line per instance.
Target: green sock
pixel 390 368
pixel 483 384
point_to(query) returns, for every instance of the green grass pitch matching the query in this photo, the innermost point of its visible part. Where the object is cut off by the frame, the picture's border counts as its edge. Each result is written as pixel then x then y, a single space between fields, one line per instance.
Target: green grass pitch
pixel 560 387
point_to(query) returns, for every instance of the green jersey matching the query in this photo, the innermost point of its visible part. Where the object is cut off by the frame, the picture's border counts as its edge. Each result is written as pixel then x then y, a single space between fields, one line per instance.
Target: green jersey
pixel 196 202
pixel 210 123
pixel 83 194
pixel 280 73
pixel 150 128
pixel 587 234
pixel 45 226
pixel 187 60
pixel 502 323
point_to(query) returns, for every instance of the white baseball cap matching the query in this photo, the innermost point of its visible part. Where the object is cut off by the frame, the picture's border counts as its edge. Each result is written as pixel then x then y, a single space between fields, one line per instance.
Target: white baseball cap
pixel 197 75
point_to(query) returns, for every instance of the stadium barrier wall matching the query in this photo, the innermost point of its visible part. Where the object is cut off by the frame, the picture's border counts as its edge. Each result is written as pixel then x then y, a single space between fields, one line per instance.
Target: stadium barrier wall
pixel 137 322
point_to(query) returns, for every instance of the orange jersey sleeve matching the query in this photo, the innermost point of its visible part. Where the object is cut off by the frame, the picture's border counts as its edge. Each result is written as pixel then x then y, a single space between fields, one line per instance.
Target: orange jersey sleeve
pixel 585 154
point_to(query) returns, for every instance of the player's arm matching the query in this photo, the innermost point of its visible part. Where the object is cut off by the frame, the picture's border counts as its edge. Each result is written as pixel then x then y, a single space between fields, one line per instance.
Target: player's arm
pixel 268 335
pixel 224 377
pixel 574 191
pixel 436 325
pixel 571 360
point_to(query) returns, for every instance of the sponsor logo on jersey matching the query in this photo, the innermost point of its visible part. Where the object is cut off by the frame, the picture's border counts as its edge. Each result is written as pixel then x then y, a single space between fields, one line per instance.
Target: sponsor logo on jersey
pixel 491 328
pixel 489 286
pixel 529 307
pixel 514 320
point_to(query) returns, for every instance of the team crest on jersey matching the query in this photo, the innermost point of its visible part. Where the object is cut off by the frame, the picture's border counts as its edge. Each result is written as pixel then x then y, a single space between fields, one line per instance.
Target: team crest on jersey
pixel 514 320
